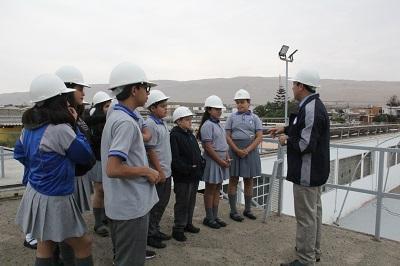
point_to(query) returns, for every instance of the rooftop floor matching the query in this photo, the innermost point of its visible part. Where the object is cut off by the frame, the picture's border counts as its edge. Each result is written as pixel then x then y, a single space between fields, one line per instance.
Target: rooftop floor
pixel 247 243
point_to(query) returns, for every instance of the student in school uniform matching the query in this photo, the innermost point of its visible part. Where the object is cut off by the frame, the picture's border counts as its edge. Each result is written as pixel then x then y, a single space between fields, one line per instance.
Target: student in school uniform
pixel 128 181
pixel 50 146
pixel 212 136
pixel 73 78
pixel 142 125
pixel 187 169
pixel 243 134
pixel 159 153
pixel 96 121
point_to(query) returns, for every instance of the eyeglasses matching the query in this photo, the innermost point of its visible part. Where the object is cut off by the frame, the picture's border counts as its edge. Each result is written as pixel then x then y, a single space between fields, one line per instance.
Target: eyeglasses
pixel 145 86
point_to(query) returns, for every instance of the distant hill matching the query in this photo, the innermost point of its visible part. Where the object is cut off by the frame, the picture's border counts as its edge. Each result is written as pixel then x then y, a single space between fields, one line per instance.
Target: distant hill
pixel 262 89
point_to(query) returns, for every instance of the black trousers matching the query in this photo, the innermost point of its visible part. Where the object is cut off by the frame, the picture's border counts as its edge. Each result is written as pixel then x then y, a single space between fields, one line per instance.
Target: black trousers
pixel 185 200
pixel 164 192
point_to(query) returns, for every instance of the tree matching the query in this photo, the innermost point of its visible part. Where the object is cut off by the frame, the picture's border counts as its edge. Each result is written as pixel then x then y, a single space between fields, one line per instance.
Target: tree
pixel 280 96
pixel 260 110
pixel 393 101
pixel 279 99
pixel 271 109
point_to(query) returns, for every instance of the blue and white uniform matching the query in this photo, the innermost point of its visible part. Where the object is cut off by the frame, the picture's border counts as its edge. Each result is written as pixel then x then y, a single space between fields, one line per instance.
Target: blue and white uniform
pixel 212 131
pixel 243 128
pixel 49 153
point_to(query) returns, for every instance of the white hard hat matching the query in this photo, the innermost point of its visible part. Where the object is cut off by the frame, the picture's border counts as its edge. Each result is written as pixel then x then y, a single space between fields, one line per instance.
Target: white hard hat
pixel 127 73
pixel 214 101
pixel 155 96
pixel 70 74
pixel 100 97
pixel 242 95
pixel 307 77
pixel 47 86
pixel 181 111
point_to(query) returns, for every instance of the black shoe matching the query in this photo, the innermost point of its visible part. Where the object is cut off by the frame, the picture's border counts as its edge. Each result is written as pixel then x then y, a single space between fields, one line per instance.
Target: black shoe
pixel 220 222
pixel 236 217
pixel 161 236
pixel 293 263
pixel 150 254
pixel 249 215
pixel 102 230
pixel 211 223
pixel 30 245
pixel 192 229
pixel 155 243
pixel 179 236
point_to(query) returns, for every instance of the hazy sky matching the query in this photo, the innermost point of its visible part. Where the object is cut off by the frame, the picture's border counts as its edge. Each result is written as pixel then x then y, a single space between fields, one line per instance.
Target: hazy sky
pixel 187 39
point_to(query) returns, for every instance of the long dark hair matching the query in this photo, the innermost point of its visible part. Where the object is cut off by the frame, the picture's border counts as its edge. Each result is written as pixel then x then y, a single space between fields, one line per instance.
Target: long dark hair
pixel 99 109
pixel 53 111
pixel 80 108
pixel 206 116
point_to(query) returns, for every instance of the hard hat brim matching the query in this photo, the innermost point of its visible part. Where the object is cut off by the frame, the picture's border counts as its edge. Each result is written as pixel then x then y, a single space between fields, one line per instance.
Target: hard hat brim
pixel 296 80
pixel 82 84
pixel 216 106
pixel 160 100
pixel 68 90
pixel 151 84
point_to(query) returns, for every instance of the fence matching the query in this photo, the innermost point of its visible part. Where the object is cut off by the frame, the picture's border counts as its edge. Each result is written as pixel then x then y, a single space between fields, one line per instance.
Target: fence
pixel 277 177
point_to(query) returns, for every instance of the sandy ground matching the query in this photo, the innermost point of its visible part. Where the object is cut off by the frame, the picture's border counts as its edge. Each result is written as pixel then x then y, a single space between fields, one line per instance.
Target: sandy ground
pixel 247 243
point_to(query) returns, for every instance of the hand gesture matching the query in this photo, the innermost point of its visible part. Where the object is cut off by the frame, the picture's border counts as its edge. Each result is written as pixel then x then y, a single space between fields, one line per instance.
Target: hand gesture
pixel 153 176
pixel 275 131
pixel 283 139
pixel 73 112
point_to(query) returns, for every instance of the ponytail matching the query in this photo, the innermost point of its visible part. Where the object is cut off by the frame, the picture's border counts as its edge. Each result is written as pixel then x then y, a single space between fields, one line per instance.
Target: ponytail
pixel 206 116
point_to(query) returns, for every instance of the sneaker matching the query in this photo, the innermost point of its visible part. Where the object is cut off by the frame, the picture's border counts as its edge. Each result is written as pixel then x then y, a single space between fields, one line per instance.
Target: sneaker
pixel 155 243
pixel 236 217
pixel 162 236
pixel 192 229
pixel 179 236
pixel 293 263
pixel 102 230
pixel 249 215
pixel 150 254
pixel 211 223
pixel 220 222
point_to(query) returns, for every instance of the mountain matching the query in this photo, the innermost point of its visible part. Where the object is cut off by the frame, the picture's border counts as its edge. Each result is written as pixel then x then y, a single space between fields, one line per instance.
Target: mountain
pixel 262 89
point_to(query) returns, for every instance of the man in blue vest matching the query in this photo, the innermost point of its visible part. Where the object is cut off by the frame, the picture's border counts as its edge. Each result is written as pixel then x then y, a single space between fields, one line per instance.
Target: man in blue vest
pixel 307 139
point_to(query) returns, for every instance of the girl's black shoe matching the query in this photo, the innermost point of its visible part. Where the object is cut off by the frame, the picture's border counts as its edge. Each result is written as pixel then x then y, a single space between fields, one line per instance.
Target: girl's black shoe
pixel 249 215
pixel 211 223
pixel 220 222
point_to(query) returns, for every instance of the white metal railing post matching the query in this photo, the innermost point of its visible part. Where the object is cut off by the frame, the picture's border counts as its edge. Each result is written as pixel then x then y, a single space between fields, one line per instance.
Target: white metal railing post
pixel 2 161
pixel 279 174
pixel 379 196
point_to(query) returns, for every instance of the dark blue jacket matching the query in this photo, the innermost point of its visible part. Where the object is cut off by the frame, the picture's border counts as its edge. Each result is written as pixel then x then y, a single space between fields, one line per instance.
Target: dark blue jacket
pixel 308 144
pixel 185 153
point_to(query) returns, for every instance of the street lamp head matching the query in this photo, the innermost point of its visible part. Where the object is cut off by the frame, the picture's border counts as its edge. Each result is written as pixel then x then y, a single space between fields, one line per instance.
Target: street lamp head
pixel 283 51
pixel 291 55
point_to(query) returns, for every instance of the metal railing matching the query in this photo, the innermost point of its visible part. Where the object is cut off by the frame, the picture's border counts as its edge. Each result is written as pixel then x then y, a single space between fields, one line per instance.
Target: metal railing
pixel 5 154
pixel 277 175
pixel 379 193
